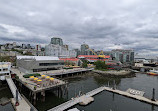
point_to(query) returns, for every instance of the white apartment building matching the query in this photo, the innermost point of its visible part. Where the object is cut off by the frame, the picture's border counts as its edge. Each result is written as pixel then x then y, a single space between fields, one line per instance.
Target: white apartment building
pixel 58 51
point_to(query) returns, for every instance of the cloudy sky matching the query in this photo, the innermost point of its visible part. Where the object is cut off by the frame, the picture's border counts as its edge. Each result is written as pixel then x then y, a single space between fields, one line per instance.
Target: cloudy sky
pixel 103 24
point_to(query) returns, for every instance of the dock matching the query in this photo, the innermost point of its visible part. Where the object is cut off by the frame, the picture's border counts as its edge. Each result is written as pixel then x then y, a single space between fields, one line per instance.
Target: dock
pixel 77 100
pixel 86 98
pixel 66 71
pixel 137 97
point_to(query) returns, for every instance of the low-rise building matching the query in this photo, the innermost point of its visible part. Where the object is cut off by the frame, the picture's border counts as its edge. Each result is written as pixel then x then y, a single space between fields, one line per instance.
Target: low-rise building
pixel 4 69
pixel 75 61
pixel 32 64
pixel 93 58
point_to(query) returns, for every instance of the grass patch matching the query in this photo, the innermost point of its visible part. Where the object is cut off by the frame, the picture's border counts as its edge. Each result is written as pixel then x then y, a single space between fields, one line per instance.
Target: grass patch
pixel 28 75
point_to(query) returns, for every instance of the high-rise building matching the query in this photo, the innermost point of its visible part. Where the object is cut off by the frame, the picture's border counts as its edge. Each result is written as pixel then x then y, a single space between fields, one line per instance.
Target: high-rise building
pixel 23 46
pixel 66 46
pixel 77 52
pixel 56 48
pixel 84 48
pixel 124 56
pixel 28 46
pixel 58 51
pixel 56 41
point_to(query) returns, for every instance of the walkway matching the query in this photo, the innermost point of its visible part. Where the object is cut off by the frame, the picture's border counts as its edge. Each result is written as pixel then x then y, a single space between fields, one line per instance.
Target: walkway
pixel 83 98
pixel 67 71
pixel 12 87
pixel 23 104
pixel 137 97
pixel 76 100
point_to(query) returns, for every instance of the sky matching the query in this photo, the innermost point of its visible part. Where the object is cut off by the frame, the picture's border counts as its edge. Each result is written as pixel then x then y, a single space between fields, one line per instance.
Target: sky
pixel 102 24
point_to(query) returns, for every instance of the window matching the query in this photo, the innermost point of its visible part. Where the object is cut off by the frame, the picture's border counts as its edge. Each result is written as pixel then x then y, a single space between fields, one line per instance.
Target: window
pixel 5 69
pixel 50 64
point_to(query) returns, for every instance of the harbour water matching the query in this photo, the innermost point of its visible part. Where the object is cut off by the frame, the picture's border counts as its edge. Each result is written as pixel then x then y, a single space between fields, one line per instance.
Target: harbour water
pixel 104 101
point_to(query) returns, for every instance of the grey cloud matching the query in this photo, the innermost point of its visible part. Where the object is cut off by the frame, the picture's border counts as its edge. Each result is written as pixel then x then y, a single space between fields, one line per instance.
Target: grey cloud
pixel 102 24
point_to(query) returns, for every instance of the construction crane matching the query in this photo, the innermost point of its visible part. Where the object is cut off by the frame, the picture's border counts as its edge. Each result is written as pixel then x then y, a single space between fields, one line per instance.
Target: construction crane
pixel 101 54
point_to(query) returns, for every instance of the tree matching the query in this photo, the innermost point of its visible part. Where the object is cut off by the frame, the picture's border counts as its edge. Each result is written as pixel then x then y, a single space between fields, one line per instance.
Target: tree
pixel 101 65
pixel 84 64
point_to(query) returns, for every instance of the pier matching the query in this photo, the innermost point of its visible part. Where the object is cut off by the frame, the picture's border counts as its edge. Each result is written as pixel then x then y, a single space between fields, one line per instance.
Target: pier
pixel 137 97
pixel 58 86
pixel 66 71
pixel 87 98
pixel 19 102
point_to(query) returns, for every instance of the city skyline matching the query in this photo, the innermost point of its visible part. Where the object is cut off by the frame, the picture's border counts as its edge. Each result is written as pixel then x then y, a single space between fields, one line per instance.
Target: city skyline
pixel 103 25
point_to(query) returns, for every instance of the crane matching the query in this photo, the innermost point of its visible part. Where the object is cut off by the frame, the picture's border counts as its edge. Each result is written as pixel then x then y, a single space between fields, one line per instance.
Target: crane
pixel 101 54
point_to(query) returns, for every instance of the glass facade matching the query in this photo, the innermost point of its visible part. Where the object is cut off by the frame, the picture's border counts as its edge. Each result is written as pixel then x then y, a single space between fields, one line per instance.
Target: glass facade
pixel 57 41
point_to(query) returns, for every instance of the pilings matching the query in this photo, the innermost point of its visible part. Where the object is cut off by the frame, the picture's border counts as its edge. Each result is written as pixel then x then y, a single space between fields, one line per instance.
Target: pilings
pixel 153 96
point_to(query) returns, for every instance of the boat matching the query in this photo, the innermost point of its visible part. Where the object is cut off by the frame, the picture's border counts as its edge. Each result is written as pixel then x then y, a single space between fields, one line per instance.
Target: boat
pixel 153 72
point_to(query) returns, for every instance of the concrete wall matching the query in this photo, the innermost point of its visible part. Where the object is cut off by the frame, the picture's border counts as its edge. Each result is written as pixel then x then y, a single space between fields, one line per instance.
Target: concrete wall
pixel 27 65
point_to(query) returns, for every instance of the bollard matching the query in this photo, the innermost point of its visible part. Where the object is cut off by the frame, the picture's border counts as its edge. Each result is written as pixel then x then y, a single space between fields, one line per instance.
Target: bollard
pixel 153 96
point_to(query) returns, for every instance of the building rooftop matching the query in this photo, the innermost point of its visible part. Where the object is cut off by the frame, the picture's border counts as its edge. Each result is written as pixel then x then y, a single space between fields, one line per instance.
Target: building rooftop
pixel 5 64
pixel 69 59
pixel 93 56
pixel 38 57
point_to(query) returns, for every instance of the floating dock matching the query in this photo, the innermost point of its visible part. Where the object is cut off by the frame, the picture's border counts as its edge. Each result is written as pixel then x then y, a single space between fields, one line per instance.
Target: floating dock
pixel 82 99
pixel 87 98
pixel 137 97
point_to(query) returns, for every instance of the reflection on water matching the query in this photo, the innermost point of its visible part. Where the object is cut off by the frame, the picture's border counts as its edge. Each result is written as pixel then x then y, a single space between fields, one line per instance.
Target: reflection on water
pixel 106 100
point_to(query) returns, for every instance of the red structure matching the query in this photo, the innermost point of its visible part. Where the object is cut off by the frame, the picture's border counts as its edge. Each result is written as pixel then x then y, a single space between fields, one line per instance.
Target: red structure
pixel 69 59
pixel 93 58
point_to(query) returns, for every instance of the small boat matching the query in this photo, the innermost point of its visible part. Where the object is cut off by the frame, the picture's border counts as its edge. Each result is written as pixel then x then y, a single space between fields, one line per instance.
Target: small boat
pixel 153 72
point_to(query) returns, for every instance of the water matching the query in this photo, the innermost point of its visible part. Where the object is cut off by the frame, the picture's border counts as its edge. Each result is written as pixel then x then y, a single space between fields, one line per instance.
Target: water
pixel 5 92
pixel 104 101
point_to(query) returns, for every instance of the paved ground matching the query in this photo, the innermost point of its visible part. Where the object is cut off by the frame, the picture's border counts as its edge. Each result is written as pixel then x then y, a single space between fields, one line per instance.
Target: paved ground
pixel 23 105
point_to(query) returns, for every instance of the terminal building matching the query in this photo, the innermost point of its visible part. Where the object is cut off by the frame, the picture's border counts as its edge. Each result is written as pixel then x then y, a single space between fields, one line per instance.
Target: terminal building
pixel 32 64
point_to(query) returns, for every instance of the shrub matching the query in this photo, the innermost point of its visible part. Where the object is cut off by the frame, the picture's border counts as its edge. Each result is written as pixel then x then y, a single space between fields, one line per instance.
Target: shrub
pixel 28 75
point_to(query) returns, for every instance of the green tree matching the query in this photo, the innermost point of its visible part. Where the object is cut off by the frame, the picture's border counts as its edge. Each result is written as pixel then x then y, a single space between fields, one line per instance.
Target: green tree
pixel 100 65
pixel 84 64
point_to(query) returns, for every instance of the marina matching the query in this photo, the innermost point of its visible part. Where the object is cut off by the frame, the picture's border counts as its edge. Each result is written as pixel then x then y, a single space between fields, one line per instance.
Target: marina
pixel 104 93
pixel 84 99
